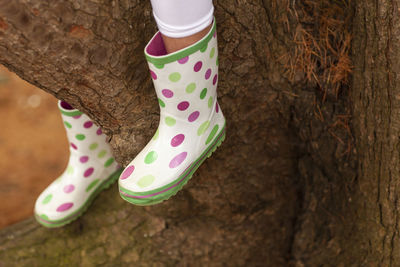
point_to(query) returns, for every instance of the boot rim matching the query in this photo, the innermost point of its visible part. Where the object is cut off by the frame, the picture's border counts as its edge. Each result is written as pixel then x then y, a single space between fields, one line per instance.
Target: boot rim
pixel 67 109
pixel 161 60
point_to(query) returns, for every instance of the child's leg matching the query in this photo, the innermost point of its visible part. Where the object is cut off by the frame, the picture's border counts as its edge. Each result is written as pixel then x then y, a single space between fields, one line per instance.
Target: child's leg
pixel 183 62
pixel 182 22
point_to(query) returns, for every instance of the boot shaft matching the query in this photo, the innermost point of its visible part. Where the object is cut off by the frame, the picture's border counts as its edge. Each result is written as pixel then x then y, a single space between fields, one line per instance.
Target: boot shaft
pixel 185 81
pixel 83 135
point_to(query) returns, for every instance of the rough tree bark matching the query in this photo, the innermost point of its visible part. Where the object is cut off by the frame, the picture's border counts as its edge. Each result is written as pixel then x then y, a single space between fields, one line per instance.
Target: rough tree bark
pixel 287 187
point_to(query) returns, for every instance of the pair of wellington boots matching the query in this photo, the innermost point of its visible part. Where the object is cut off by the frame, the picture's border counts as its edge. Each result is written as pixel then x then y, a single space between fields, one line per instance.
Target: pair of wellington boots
pixel 191 127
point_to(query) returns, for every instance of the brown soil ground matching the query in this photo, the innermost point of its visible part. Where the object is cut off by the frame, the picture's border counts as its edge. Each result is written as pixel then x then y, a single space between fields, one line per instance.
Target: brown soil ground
pixel 33 146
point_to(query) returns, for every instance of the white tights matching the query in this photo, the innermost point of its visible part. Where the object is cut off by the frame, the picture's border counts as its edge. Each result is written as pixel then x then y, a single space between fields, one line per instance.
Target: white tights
pixel 182 18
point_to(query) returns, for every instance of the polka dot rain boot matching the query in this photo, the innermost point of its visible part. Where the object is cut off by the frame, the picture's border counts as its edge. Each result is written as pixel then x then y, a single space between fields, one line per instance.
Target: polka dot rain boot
pixel 191 123
pixel 91 168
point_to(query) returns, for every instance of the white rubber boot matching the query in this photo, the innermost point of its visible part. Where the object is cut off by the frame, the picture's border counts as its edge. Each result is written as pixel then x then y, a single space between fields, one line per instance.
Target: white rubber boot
pixel 191 123
pixel 91 168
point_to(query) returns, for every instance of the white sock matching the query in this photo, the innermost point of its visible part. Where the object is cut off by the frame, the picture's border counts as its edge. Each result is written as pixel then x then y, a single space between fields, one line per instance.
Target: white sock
pixel 182 18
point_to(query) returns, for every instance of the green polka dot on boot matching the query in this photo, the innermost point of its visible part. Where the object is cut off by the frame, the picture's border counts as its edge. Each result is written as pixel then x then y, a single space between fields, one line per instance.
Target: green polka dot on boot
pixel 191 122
pixel 87 173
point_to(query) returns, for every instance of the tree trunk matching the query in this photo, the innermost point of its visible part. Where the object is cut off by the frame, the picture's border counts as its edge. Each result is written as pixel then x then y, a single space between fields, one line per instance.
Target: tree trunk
pixel 376 117
pixel 307 175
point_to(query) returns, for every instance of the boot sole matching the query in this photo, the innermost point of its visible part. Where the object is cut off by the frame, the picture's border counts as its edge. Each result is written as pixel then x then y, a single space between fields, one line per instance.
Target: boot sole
pixel 154 196
pixel 72 217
